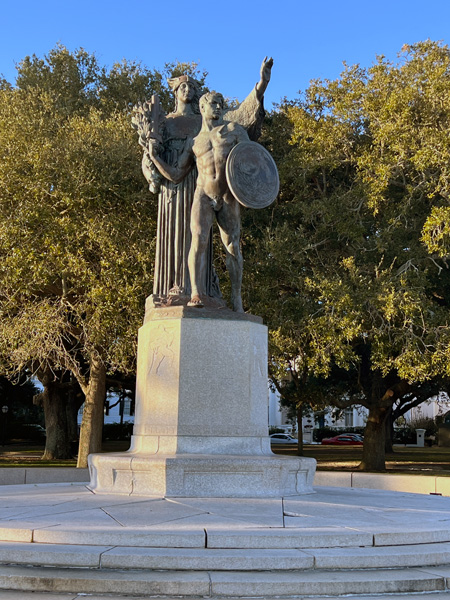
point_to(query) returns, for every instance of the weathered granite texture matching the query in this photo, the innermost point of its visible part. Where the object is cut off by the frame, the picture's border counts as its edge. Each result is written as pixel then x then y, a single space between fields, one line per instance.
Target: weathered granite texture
pixel 201 414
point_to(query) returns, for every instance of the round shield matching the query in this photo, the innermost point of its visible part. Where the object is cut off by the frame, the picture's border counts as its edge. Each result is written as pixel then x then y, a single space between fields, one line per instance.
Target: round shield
pixel 252 175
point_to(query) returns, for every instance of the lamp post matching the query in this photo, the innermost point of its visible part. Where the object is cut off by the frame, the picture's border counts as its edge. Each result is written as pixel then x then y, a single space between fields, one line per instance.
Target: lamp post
pixel 5 412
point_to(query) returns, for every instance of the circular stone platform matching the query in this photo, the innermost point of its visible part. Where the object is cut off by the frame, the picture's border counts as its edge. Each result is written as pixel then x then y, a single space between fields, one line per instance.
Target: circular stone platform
pixel 334 542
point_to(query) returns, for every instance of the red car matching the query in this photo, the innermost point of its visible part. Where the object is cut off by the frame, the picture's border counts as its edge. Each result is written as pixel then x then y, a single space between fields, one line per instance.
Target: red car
pixel 345 439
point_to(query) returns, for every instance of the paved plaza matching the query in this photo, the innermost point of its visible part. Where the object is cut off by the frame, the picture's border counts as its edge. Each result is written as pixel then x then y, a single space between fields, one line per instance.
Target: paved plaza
pixel 62 538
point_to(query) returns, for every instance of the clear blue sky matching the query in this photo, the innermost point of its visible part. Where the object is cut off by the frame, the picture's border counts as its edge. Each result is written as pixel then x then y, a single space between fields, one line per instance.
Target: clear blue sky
pixel 307 39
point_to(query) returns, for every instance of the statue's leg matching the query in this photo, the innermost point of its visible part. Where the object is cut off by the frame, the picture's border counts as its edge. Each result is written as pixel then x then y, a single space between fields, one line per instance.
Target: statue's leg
pixel 202 216
pixel 228 218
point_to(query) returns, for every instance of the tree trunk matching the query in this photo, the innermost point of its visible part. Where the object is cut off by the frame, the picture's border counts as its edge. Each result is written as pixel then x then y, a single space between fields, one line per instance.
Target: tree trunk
pixel 57 444
pixel 75 399
pixel 389 433
pixel 300 429
pixel 374 439
pixel 92 423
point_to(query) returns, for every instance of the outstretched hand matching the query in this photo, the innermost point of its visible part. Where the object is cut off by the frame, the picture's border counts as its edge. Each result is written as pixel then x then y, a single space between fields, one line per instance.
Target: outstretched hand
pixel 266 70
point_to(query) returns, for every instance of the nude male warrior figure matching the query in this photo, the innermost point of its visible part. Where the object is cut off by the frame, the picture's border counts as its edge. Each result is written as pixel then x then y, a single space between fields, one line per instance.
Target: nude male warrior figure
pixel 213 197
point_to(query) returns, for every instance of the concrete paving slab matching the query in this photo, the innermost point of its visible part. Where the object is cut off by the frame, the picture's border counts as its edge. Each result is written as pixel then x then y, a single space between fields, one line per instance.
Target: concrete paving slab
pixel 42 489
pixel 298 522
pixel 151 512
pixel 380 498
pixel 39 506
pixel 443 571
pixel 206 521
pixel 259 511
pixel 60 515
pixel 85 581
pixel 206 559
pixel 331 583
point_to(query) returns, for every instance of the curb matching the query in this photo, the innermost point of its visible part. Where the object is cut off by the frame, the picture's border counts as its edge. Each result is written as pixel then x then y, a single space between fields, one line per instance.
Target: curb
pixel 20 475
pixel 416 484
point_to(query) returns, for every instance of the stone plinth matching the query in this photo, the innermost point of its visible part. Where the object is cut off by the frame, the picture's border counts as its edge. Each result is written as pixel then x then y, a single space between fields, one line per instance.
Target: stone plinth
pixel 201 413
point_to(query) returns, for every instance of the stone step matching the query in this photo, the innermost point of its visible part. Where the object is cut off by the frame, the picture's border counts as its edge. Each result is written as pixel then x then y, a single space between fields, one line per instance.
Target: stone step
pixel 201 559
pixel 95 581
pixel 20 595
pixel 288 537
pixel 183 559
pixel 225 584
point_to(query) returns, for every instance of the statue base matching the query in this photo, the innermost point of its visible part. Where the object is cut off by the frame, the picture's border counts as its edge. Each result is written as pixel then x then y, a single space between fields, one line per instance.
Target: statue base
pixel 201 413
pixel 201 475
pixel 155 301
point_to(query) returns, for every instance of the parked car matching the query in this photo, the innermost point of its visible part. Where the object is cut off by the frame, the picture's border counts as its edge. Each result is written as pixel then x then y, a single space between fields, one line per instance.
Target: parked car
pixel 282 438
pixel 345 439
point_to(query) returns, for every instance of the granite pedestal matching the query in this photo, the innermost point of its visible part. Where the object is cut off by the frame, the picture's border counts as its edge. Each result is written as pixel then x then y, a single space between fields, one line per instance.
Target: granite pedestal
pixel 201 413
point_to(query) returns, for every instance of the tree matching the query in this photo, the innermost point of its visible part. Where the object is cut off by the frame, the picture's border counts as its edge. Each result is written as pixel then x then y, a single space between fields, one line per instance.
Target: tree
pixel 76 234
pixel 77 226
pixel 348 269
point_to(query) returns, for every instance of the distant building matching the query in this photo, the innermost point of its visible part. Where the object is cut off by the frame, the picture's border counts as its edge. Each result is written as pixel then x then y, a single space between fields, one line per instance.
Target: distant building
pixel 354 416
pixel 116 410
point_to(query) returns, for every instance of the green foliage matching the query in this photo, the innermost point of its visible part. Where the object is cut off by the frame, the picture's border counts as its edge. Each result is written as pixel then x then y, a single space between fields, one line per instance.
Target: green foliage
pixel 77 223
pixel 275 430
pixel 340 259
pixel 349 267
pixel 75 233
pixel 76 81
pixel 427 423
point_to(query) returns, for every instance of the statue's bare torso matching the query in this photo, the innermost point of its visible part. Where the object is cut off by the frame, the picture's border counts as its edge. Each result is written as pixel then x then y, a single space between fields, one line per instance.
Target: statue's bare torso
pixel 211 149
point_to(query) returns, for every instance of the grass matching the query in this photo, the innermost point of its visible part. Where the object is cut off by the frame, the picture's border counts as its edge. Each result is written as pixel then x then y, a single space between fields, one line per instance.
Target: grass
pixel 425 461
pixel 30 455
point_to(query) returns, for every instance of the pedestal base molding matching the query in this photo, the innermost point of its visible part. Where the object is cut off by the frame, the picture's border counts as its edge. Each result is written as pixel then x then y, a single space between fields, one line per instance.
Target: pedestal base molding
pixel 201 475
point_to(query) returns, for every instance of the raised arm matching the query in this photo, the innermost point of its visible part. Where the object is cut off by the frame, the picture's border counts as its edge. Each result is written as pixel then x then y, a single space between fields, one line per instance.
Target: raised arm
pixel 266 71
pixel 174 174
pixel 250 113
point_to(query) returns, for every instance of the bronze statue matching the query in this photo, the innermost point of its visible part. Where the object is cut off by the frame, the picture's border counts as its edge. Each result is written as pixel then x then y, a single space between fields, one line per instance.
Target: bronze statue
pixel 173 134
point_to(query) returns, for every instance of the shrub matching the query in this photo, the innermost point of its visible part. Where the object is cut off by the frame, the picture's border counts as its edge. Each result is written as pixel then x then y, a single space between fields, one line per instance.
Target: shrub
pixel 275 430
pixel 117 431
